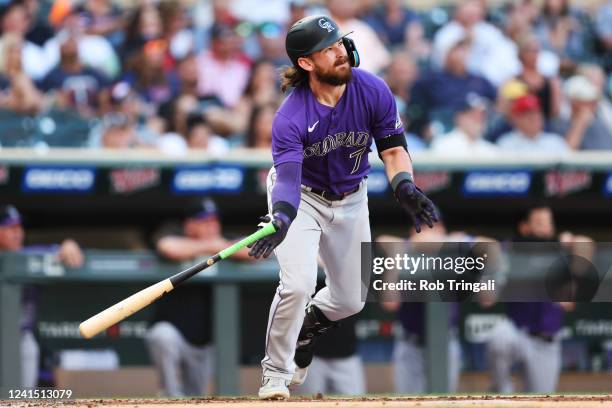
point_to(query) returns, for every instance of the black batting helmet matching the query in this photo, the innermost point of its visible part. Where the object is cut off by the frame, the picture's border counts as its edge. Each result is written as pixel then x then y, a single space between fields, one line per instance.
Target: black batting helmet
pixel 314 33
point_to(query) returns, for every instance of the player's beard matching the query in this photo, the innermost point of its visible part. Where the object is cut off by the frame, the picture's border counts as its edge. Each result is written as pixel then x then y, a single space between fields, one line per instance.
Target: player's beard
pixel 332 76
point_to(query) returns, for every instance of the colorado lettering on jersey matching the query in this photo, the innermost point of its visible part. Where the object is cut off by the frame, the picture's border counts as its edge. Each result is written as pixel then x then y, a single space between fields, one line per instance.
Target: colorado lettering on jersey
pixel 333 142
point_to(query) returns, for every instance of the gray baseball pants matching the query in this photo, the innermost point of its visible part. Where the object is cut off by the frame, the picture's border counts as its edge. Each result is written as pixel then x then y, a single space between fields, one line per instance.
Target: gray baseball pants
pixel 540 360
pixel 341 376
pixel 333 230
pixel 184 369
pixel 409 365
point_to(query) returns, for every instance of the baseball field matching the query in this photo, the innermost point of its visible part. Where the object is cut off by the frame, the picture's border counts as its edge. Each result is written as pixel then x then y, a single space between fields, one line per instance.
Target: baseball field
pixel 561 401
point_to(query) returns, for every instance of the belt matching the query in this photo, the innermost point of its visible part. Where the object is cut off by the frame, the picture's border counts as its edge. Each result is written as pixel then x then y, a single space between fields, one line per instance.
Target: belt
pixel 549 338
pixel 331 196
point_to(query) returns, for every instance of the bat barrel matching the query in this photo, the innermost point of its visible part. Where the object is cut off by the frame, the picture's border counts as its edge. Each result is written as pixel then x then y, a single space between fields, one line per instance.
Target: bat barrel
pixel 127 307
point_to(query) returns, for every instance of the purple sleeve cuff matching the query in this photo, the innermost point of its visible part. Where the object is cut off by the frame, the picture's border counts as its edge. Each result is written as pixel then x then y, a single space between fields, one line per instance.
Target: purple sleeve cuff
pixel 286 191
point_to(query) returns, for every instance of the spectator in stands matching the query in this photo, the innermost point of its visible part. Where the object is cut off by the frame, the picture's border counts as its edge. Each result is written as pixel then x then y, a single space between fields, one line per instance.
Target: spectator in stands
pixel 102 18
pixel 260 128
pixel 14 20
pixel 180 338
pixel 12 237
pixel 147 75
pixel 596 75
pixel 392 20
pixel 18 92
pixel 200 136
pixel 401 74
pixel 144 24
pixel 79 87
pixel 436 92
pixel 603 28
pixel 531 335
pixel 560 29
pixel 118 132
pixel 175 29
pixel 499 118
pixel 490 53
pixel 336 367
pixel 373 54
pixel 546 88
pixel 271 41
pixel 262 89
pixel 95 51
pixel 297 11
pixel 224 69
pixel 528 135
pixel 39 30
pixel 187 102
pixel 466 138
pixel 583 130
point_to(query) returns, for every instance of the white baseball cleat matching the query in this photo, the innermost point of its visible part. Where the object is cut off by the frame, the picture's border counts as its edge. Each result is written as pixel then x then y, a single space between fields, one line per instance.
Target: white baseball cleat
pixel 274 388
pixel 299 376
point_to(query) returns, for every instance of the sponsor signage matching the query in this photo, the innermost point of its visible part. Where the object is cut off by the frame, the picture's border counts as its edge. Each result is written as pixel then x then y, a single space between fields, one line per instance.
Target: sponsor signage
pixel 59 179
pixel 496 183
pixel 130 180
pixel 560 183
pixel 217 179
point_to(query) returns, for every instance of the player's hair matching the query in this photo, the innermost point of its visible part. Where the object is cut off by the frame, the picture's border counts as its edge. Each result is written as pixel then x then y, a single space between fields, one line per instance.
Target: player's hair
pixel 292 77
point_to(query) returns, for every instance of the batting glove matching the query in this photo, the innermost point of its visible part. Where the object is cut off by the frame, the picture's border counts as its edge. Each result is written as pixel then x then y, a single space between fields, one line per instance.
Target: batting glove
pixel 416 203
pixel 264 246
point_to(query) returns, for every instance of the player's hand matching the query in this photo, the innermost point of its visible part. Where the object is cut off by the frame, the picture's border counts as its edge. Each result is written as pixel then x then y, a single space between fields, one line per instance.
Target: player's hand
pixel 264 246
pixel 416 203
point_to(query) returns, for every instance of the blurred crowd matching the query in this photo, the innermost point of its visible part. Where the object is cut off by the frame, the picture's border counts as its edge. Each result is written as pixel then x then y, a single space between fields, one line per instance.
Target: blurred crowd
pixel 203 74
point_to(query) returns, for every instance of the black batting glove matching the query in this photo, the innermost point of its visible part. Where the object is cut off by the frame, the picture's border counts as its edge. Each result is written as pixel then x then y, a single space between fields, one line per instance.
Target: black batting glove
pixel 263 247
pixel 416 203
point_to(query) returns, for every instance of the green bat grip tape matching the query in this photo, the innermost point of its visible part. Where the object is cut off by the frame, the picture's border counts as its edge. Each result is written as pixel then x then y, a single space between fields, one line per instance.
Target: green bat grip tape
pixel 265 231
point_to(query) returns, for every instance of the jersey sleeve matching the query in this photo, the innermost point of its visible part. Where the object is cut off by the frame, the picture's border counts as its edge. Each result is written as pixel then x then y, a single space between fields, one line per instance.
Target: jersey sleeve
pixel 287 144
pixel 386 120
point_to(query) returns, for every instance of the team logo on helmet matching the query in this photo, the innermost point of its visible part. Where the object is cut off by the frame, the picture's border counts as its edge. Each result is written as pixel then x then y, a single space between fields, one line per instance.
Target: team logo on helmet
pixel 323 23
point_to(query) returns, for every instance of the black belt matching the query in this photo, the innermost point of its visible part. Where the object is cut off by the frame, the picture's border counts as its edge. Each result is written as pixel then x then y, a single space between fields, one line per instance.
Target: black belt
pixel 549 338
pixel 332 196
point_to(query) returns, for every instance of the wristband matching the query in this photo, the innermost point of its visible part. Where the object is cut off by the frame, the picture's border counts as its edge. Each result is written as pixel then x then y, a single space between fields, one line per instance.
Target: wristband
pixel 399 178
pixel 285 208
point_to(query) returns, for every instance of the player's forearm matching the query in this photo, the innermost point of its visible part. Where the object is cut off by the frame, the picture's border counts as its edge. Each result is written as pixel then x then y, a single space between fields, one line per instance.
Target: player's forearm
pixel 182 249
pixel 396 161
pixel 286 192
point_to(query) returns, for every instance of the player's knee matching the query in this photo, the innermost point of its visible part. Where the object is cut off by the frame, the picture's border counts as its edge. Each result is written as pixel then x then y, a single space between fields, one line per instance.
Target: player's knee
pixel 298 294
pixel 163 334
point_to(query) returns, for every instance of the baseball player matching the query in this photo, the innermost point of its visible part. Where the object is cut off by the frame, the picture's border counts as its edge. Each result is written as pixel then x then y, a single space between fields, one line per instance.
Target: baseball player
pixel 317 195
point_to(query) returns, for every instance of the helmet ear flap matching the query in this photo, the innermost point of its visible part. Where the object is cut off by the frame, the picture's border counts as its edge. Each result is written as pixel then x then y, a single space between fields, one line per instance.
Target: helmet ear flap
pixel 351 50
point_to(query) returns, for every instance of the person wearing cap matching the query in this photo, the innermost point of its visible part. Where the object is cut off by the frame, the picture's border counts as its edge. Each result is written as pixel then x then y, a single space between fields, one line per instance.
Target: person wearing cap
pixel 179 339
pixel 528 133
pixel 409 357
pixel 531 336
pixel 12 237
pixel 436 93
pixel 466 137
pixel 583 130
pixel 499 118
pixel 224 69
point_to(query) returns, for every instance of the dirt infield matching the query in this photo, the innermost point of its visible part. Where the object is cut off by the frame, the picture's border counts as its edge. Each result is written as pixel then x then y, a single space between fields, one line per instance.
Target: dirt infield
pixel 561 401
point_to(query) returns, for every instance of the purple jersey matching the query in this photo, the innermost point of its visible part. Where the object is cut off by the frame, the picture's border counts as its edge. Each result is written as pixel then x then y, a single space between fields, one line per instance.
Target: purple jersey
pixel 536 317
pixel 332 144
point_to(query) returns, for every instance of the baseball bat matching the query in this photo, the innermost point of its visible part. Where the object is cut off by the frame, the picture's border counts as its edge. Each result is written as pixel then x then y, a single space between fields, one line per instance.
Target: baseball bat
pixel 145 297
